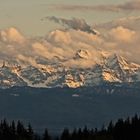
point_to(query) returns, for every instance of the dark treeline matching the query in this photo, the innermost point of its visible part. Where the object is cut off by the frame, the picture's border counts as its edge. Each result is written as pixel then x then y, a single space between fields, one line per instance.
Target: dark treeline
pixel 128 129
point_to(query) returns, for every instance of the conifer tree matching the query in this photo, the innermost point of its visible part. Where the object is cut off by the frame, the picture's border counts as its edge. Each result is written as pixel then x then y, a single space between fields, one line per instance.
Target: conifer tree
pixel 46 135
pixel 65 135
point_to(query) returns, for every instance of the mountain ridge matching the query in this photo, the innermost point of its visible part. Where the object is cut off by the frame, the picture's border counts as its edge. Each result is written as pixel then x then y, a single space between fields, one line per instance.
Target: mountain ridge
pixel 113 69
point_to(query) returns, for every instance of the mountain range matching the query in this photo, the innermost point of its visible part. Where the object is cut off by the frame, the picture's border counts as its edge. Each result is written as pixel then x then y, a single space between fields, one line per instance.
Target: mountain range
pixel 48 74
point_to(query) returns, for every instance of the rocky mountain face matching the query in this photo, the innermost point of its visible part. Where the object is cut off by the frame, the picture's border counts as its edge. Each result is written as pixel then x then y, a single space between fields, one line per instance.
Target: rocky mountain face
pixel 111 69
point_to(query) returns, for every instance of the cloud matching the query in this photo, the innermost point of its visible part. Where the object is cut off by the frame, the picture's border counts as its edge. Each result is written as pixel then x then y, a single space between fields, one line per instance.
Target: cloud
pixel 122 34
pixel 61 46
pixel 133 5
pixel 40 49
pixel 11 35
pixel 26 60
pixel 74 23
pixel 59 36
pixel 68 42
pixel 85 7
pixel 72 40
pixel 80 63
pixel 131 22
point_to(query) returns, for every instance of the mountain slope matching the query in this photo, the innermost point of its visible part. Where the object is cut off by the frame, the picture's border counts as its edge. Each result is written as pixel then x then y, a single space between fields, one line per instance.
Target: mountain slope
pixel 112 69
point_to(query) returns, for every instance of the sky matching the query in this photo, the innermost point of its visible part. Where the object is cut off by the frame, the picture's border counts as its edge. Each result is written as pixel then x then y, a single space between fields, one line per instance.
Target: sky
pixel 53 29
pixel 26 15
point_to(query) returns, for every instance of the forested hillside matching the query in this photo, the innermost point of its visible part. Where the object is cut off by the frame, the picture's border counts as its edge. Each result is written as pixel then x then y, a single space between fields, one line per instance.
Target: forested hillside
pixel 127 129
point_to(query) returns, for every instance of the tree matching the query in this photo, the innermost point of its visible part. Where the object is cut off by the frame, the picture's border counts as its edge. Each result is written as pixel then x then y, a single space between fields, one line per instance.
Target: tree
pixel 46 135
pixel 30 132
pixel 110 127
pixel 21 131
pixel 65 135
pixel 13 131
pixel 74 135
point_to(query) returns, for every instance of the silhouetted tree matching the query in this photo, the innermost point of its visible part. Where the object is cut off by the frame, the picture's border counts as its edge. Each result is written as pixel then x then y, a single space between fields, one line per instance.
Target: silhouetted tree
pixel 13 131
pixel 30 132
pixel 65 135
pixel 46 135
pixel 128 129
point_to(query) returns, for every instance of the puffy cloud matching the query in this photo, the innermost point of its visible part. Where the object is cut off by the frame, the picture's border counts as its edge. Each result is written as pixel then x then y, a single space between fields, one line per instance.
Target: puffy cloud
pixel 80 36
pixel 40 49
pixel 68 37
pixel 62 45
pixel 11 35
pixel 59 36
pixel 79 63
pixel 122 34
pixel 26 60
pixel 69 41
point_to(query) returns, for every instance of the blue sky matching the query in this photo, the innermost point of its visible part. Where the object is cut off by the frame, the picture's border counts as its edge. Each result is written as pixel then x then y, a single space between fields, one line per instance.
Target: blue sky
pixel 26 15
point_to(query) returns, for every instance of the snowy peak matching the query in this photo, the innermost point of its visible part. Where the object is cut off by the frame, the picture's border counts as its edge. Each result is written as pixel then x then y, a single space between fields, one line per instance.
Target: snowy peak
pixel 113 69
pixel 119 61
pixel 83 54
pixel 123 69
pixel 116 60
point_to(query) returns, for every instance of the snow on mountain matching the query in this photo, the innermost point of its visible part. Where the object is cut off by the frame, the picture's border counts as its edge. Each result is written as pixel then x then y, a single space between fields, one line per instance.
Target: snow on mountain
pixel 124 70
pixel 8 78
pixel 114 68
pixel 83 54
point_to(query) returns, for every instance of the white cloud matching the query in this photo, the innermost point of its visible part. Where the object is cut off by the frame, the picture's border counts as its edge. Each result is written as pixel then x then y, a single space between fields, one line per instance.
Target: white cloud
pixel 59 37
pixel 40 49
pixel 64 44
pixel 122 34
pixel 11 35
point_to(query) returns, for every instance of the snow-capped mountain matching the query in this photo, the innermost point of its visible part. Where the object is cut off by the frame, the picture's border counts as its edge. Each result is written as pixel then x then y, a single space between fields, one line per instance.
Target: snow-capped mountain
pixel 111 69
pixel 83 54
